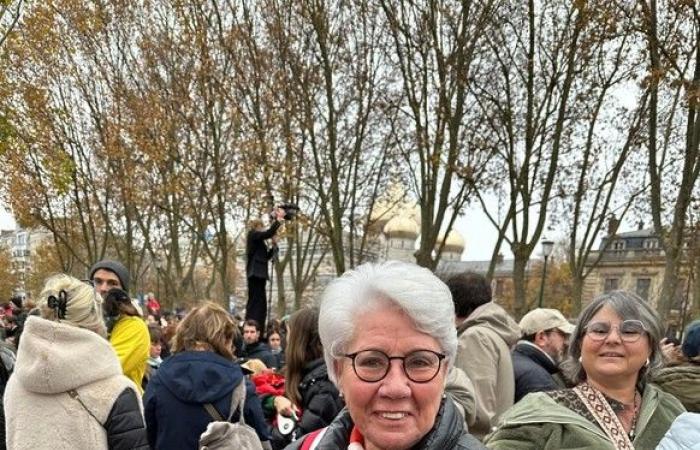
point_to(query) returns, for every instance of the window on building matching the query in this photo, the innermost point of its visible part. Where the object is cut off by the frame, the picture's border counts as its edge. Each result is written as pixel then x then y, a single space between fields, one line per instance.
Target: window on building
pixel 618 245
pixel 651 243
pixel 643 286
pixel 611 284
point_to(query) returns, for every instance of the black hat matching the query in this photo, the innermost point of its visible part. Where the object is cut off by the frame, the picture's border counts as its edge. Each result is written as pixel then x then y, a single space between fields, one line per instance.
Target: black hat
pixel 113 266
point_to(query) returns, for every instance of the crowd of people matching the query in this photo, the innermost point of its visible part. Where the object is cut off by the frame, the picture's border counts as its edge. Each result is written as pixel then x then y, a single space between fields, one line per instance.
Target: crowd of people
pixel 391 358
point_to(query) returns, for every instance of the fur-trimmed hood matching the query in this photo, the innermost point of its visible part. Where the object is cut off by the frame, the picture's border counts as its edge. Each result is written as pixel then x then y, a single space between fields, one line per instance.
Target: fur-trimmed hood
pixel 55 357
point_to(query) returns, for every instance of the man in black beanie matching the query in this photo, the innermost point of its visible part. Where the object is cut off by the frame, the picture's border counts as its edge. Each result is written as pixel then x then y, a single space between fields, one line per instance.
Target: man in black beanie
pixel 108 274
pixel 129 335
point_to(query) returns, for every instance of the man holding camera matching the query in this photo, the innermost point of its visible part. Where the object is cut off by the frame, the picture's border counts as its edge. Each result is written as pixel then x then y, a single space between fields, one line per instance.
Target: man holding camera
pixel 258 255
pixel 128 333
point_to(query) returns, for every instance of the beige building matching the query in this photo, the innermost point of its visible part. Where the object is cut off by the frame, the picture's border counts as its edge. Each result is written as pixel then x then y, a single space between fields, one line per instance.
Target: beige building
pixel 21 244
pixel 633 261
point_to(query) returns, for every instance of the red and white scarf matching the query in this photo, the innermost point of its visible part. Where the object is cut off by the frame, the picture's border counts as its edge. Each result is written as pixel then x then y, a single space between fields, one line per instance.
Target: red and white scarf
pixel 357 441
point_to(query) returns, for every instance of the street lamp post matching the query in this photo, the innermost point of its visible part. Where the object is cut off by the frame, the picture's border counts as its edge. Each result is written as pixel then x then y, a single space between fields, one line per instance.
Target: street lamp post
pixel 158 267
pixel 547 247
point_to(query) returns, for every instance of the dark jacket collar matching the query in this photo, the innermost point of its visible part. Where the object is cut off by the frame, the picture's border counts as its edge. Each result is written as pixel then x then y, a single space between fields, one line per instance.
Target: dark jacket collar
pixel 530 350
pixel 447 433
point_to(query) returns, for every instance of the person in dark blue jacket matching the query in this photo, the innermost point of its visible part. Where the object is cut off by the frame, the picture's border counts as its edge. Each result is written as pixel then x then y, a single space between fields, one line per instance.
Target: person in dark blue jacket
pixel 536 357
pixel 201 370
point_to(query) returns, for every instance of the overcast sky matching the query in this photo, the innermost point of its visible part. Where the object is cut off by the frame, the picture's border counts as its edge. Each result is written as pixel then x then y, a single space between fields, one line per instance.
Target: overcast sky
pixel 477 231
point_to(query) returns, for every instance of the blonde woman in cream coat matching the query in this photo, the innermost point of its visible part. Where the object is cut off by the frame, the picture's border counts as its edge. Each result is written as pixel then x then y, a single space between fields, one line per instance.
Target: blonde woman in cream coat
pixel 67 390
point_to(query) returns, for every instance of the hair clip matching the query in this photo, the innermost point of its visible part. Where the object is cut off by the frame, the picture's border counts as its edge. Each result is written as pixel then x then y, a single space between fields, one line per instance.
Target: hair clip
pixel 59 304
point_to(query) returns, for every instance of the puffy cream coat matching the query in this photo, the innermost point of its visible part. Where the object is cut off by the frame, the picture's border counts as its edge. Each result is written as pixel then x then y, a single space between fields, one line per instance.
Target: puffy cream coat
pixel 54 359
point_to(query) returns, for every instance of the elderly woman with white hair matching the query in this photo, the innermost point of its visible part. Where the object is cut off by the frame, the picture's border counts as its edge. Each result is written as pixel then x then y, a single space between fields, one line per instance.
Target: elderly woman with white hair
pixel 389 341
pixel 68 390
pixel 613 349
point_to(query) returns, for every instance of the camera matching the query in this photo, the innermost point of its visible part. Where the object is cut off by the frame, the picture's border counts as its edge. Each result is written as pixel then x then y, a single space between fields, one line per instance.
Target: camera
pixel 290 210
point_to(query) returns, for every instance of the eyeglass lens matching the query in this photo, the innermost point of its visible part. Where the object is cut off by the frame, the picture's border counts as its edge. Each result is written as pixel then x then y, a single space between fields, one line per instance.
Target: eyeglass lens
pixel 420 366
pixel 629 330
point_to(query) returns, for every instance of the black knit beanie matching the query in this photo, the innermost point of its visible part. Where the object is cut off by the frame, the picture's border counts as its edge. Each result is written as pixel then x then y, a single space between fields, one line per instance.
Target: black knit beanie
pixel 113 266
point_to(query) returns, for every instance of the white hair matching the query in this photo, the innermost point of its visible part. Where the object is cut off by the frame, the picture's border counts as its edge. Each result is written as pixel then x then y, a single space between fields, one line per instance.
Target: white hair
pixel 414 290
pixel 84 305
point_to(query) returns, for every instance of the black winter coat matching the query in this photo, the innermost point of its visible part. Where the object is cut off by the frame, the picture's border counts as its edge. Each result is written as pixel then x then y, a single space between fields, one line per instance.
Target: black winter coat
pixel 448 433
pixel 321 403
pixel 257 252
pixel 260 350
pixel 533 369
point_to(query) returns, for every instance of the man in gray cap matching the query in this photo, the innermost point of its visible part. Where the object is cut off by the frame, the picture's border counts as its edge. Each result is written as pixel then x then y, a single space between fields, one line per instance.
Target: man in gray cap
pixel 129 334
pixel 536 357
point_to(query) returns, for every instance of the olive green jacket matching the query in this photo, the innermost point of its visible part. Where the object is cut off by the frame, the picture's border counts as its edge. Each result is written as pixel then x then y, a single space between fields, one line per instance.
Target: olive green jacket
pixel 537 422
pixel 683 382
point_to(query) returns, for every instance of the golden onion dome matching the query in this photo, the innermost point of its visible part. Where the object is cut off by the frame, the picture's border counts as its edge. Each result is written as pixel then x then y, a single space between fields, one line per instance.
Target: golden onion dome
pixel 401 227
pixel 453 244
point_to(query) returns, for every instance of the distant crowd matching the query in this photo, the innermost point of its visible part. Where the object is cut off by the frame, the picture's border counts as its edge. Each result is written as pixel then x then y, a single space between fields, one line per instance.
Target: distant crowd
pixel 392 358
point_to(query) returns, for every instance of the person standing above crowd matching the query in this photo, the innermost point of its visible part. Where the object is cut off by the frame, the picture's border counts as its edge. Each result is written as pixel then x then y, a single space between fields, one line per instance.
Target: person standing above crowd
pixel 682 376
pixel 67 390
pixel 128 333
pixel 257 257
pixel 614 347
pixel 388 342
pixel 201 370
pixel 536 357
pixel 486 333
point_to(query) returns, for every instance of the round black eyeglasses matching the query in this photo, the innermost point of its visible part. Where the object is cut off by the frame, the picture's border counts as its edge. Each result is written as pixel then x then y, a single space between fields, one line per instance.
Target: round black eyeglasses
pixel 420 366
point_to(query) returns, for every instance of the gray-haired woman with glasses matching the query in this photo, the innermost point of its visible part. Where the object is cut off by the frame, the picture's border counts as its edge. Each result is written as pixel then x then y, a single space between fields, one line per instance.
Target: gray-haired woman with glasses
pixel 613 349
pixel 389 340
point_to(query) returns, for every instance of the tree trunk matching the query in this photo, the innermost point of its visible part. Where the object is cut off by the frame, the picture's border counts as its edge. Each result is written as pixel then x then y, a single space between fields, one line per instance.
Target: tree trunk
pixel 519 282
pixel 669 285
pixel 576 294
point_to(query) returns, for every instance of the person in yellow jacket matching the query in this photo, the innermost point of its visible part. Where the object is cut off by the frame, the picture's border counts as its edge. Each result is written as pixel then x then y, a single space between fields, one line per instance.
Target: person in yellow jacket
pixel 128 334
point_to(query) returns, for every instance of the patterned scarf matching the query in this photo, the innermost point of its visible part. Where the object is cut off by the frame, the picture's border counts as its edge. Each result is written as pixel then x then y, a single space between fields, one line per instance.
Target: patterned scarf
pixel 604 415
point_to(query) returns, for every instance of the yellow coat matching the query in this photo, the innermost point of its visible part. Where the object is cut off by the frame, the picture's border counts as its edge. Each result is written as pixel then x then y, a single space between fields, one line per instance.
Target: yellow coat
pixel 132 343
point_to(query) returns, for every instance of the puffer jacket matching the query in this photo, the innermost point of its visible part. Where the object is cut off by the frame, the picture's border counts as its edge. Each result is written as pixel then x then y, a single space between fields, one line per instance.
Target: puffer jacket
pixel 321 402
pixel 683 382
pixel 176 394
pixel 684 433
pixel 448 433
pixel 483 353
pixel 69 379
